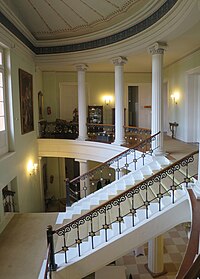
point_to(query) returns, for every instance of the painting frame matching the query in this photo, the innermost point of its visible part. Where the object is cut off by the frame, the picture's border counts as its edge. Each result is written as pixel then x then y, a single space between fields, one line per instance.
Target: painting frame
pixel 26 101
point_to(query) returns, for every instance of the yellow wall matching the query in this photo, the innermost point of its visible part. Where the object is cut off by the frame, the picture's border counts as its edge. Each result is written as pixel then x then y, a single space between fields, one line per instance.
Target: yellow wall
pixel 13 166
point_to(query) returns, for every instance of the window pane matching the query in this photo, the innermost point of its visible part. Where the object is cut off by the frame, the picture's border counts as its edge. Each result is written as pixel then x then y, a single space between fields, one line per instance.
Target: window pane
pixel 1 58
pixel 1 109
pixel 1 94
pixel 2 123
pixel 1 80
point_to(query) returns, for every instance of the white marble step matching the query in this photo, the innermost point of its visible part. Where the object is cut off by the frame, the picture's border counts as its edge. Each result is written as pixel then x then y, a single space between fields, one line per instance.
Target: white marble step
pixel 115 188
pixel 99 241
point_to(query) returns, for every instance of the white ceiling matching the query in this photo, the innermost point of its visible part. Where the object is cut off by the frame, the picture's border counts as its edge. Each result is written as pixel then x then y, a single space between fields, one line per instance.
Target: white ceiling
pixel 60 19
pixel 75 20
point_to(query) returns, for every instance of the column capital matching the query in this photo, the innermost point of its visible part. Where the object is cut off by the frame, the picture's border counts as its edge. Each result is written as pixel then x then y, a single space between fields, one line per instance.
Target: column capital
pixel 81 67
pixel 119 61
pixel 157 48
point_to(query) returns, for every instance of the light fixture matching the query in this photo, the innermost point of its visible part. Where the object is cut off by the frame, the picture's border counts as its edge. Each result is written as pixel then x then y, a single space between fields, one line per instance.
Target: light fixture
pixel 175 97
pixel 107 99
pixel 32 168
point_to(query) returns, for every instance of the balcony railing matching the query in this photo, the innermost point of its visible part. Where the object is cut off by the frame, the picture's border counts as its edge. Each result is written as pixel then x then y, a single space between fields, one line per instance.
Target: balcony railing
pixel 96 132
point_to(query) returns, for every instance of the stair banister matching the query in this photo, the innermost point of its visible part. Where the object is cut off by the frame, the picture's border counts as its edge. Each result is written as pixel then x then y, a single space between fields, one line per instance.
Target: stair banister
pixel 141 146
pixel 119 199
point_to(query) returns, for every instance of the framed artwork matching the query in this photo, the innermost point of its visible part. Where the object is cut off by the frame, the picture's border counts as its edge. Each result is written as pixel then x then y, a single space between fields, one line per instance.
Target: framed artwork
pixel 26 101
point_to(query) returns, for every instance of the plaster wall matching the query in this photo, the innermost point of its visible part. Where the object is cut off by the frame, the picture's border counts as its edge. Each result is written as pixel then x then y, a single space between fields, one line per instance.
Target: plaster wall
pixel 177 77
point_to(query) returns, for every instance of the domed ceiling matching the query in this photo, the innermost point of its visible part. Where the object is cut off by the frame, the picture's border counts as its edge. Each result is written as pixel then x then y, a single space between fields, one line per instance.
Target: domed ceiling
pixel 61 19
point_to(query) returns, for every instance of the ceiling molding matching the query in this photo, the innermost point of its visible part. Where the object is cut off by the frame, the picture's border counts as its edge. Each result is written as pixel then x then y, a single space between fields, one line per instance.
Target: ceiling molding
pixel 101 42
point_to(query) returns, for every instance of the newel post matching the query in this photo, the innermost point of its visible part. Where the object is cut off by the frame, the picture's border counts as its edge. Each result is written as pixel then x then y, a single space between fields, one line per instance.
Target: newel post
pixel 67 192
pixel 53 265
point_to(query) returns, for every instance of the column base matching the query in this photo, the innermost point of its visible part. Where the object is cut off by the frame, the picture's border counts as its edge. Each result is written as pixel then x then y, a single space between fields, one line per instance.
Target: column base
pixel 82 138
pixel 119 142
pixel 159 153
pixel 155 275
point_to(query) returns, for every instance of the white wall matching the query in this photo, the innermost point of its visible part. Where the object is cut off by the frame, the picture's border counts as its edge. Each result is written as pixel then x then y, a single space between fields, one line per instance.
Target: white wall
pixel 177 76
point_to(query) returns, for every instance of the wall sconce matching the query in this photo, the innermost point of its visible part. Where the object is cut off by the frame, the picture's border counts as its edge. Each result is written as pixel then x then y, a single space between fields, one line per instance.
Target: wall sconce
pixel 32 168
pixel 107 99
pixel 175 97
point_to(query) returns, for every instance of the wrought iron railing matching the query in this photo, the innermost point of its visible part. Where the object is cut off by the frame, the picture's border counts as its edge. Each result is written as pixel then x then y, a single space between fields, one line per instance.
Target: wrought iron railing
pixel 58 129
pixel 96 132
pixel 111 170
pixel 163 184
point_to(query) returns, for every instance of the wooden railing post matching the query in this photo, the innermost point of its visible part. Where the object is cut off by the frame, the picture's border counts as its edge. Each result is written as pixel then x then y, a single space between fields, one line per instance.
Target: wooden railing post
pixel 68 203
pixel 53 265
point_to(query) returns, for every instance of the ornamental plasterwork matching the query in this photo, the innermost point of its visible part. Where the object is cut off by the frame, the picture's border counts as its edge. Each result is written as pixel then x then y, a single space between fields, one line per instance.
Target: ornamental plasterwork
pixel 119 61
pixel 81 67
pixel 157 48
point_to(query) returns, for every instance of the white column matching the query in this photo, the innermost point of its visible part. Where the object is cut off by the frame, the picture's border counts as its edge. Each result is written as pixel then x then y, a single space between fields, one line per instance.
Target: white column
pixel 84 184
pixel 155 256
pixel 82 101
pixel 119 99
pixel 157 51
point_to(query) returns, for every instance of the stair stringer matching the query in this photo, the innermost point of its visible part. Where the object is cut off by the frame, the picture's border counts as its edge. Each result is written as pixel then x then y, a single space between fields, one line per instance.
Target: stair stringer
pixel 120 245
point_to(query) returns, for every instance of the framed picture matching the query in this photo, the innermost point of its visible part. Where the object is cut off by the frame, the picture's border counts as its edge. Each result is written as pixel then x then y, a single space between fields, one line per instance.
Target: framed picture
pixel 26 101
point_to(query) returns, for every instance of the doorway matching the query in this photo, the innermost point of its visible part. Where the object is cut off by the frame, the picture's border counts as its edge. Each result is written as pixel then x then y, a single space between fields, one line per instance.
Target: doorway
pixel 192 105
pixel 133 106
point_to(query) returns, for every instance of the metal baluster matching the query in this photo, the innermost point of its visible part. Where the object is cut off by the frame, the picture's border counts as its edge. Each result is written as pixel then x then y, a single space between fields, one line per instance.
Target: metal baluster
pixel 65 248
pixel 173 187
pixel 76 191
pixel 119 219
pixel 92 233
pixel 78 241
pixel 147 204
pixel 135 160
pixel 126 164
pixel 160 195
pixel 133 211
pixel 187 178
pixel 67 187
pixel 85 187
pixel 118 169
pixel 106 227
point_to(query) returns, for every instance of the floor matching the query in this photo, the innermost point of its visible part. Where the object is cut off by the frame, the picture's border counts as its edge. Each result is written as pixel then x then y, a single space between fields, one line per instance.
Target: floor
pixel 175 242
pixel 23 242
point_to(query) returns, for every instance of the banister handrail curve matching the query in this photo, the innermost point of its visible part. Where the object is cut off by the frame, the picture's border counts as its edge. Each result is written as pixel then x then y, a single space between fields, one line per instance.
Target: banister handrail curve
pixel 128 193
pixel 112 160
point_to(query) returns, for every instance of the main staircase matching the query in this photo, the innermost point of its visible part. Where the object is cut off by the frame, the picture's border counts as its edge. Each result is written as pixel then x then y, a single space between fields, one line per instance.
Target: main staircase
pixel 147 197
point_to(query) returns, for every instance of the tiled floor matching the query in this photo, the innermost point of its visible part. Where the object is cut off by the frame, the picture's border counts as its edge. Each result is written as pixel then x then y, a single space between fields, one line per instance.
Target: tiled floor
pixel 175 242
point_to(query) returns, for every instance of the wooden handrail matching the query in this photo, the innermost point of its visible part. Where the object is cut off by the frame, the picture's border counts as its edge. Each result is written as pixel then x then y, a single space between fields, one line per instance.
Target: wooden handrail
pixel 147 182
pixel 112 159
pixel 193 244
pixel 194 270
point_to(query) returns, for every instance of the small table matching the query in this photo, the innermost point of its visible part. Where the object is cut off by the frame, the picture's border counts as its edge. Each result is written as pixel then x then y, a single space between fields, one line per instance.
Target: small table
pixel 172 127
